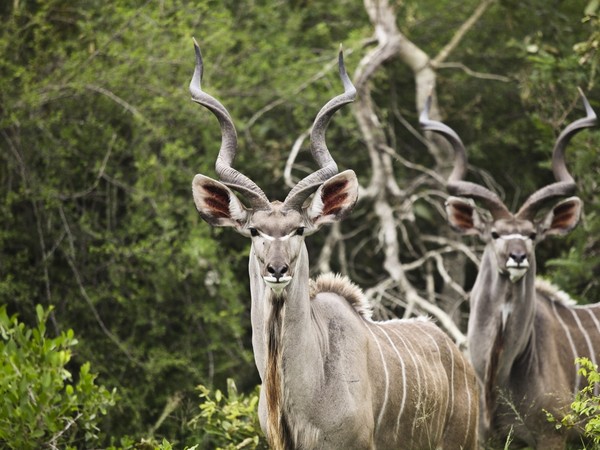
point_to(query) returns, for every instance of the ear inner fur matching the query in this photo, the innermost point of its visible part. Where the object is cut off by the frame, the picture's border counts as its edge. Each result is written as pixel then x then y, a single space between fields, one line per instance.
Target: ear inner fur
pixel 563 216
pixel 334 201
pixel 460 215
pixel 217 200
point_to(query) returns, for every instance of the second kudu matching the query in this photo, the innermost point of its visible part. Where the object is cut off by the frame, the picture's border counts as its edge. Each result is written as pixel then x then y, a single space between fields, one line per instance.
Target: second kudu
pixel 331 377
pixel 523 334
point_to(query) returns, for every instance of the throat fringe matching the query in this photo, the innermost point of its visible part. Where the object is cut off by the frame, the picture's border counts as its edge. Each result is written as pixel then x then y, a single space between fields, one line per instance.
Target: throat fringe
pixel 278 429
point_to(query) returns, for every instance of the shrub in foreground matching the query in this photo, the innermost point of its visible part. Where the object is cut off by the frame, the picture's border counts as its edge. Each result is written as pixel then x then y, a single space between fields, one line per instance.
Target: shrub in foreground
pixel 42 404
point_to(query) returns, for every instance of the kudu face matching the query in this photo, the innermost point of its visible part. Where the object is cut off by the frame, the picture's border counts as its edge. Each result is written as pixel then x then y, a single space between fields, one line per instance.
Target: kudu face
pixel 512 240
pixel 513 243
pixel 277 238
pixel 277 229
pixel 278 233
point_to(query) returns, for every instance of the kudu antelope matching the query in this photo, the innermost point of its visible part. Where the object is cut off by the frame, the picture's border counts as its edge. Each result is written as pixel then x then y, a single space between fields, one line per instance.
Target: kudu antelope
pixel 523 334
pixel 331 377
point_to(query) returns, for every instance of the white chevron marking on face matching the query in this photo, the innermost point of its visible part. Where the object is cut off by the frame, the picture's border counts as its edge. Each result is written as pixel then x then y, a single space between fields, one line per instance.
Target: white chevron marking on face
pixel 266 237
pixel 508 237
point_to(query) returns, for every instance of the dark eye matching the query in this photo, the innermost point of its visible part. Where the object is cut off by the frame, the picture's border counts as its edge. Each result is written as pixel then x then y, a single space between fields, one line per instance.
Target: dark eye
pixel 253 232
pixel 532 236
pixel 300 231
pixel 495 235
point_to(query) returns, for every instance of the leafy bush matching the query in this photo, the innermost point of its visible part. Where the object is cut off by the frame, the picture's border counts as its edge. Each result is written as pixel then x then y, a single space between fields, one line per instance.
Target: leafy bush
pixel 230 422
pixel 585 409
pixel 127 443
pixel 41 404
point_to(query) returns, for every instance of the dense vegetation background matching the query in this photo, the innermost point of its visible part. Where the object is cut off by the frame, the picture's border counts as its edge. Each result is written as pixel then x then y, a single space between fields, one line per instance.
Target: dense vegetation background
pixel 99 142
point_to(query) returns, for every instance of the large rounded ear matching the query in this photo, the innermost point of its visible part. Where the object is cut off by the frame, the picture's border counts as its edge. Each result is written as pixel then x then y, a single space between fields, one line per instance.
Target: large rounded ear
pixel 217 204
pixel 463 216
pixel 334 199
pixel 562 218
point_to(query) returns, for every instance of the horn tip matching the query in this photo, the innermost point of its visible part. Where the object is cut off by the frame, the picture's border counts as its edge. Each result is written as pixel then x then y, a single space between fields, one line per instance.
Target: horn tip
pixel 341 56
pixel 348 86
pixel 198 70
pixel 197 50
pixel 341 64
pixel 586 104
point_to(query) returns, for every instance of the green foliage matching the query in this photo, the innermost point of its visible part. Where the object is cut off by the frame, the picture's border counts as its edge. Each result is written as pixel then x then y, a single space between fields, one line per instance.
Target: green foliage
pixel 549 88
pixel 42 405
pixel 148 444
pixel 587 50
pixel 229 421
pixel 585 409
pixel 96 205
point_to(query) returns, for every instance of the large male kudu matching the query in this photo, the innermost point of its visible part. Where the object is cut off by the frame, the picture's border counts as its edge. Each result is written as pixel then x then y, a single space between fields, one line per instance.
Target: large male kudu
pixel 523 334
pixel 331 377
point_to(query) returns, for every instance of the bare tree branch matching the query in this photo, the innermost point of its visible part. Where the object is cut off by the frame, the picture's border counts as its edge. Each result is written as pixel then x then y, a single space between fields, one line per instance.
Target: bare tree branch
pixel 71 261
pixel 474 74
pixel 331 64
pixel 461 32
pixel 287 171
pixel 120 101
pixel 98 178
pixel 394 205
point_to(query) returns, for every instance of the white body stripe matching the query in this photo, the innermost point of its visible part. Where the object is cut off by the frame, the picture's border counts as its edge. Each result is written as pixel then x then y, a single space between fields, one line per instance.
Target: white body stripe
pixel 451 353
pixel 571 343
pixel 411 352
pixel 441 411
pixel 468 402
pixel 403 378
pixel 387 379
pixel 585 335
pixel 595 320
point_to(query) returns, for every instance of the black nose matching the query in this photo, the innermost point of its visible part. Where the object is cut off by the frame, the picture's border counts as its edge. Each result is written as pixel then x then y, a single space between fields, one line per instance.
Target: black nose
pixel 277 270
pixel 518 257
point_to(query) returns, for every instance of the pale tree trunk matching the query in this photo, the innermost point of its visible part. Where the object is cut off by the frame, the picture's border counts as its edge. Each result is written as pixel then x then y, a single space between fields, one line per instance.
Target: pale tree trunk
pixel 392 198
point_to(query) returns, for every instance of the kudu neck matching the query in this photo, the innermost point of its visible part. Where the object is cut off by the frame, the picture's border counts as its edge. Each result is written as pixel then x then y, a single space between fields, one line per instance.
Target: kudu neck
pixel 502 313
pixel 291 308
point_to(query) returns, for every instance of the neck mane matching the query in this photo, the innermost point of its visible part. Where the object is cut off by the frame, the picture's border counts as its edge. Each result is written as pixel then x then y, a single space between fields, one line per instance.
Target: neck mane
pixel 345 288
